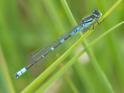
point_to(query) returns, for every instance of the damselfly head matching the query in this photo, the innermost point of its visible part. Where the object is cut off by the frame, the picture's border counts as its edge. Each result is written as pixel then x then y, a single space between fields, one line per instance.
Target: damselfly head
pixel 96 13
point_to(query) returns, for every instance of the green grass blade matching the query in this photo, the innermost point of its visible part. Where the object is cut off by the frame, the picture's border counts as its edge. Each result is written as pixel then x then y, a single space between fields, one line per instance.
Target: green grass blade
pixel 115 5
pixel 71 83
pixel 106 33
pixel 35 84
pixel 104 80
pixel 68 12
pixel 54 15
pixel 59 73
pixel 7 86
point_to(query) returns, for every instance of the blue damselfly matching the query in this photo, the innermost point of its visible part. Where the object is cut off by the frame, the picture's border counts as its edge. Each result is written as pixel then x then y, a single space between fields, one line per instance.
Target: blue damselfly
pixel 83 26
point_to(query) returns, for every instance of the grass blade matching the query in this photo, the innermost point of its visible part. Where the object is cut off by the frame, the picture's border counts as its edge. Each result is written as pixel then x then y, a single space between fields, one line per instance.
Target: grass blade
pixel 5 78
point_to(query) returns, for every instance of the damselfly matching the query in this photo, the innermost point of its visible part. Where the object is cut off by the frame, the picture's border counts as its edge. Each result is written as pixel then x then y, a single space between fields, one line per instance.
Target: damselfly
pixel 83 26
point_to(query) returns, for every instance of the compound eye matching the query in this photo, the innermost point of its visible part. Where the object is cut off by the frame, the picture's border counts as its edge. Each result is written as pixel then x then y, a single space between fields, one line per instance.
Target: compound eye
pixel 97 13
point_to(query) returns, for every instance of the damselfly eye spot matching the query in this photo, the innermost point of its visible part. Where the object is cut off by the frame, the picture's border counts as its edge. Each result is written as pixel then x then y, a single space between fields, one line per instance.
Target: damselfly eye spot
pixel 97 13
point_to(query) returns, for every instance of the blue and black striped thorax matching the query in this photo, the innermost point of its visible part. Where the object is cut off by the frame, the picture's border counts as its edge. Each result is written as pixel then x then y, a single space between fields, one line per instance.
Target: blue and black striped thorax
pixel 91 19
pixel 87 22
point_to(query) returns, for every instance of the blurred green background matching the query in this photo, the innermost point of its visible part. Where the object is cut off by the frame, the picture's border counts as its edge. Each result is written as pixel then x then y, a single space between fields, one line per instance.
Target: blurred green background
pixel 27 25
